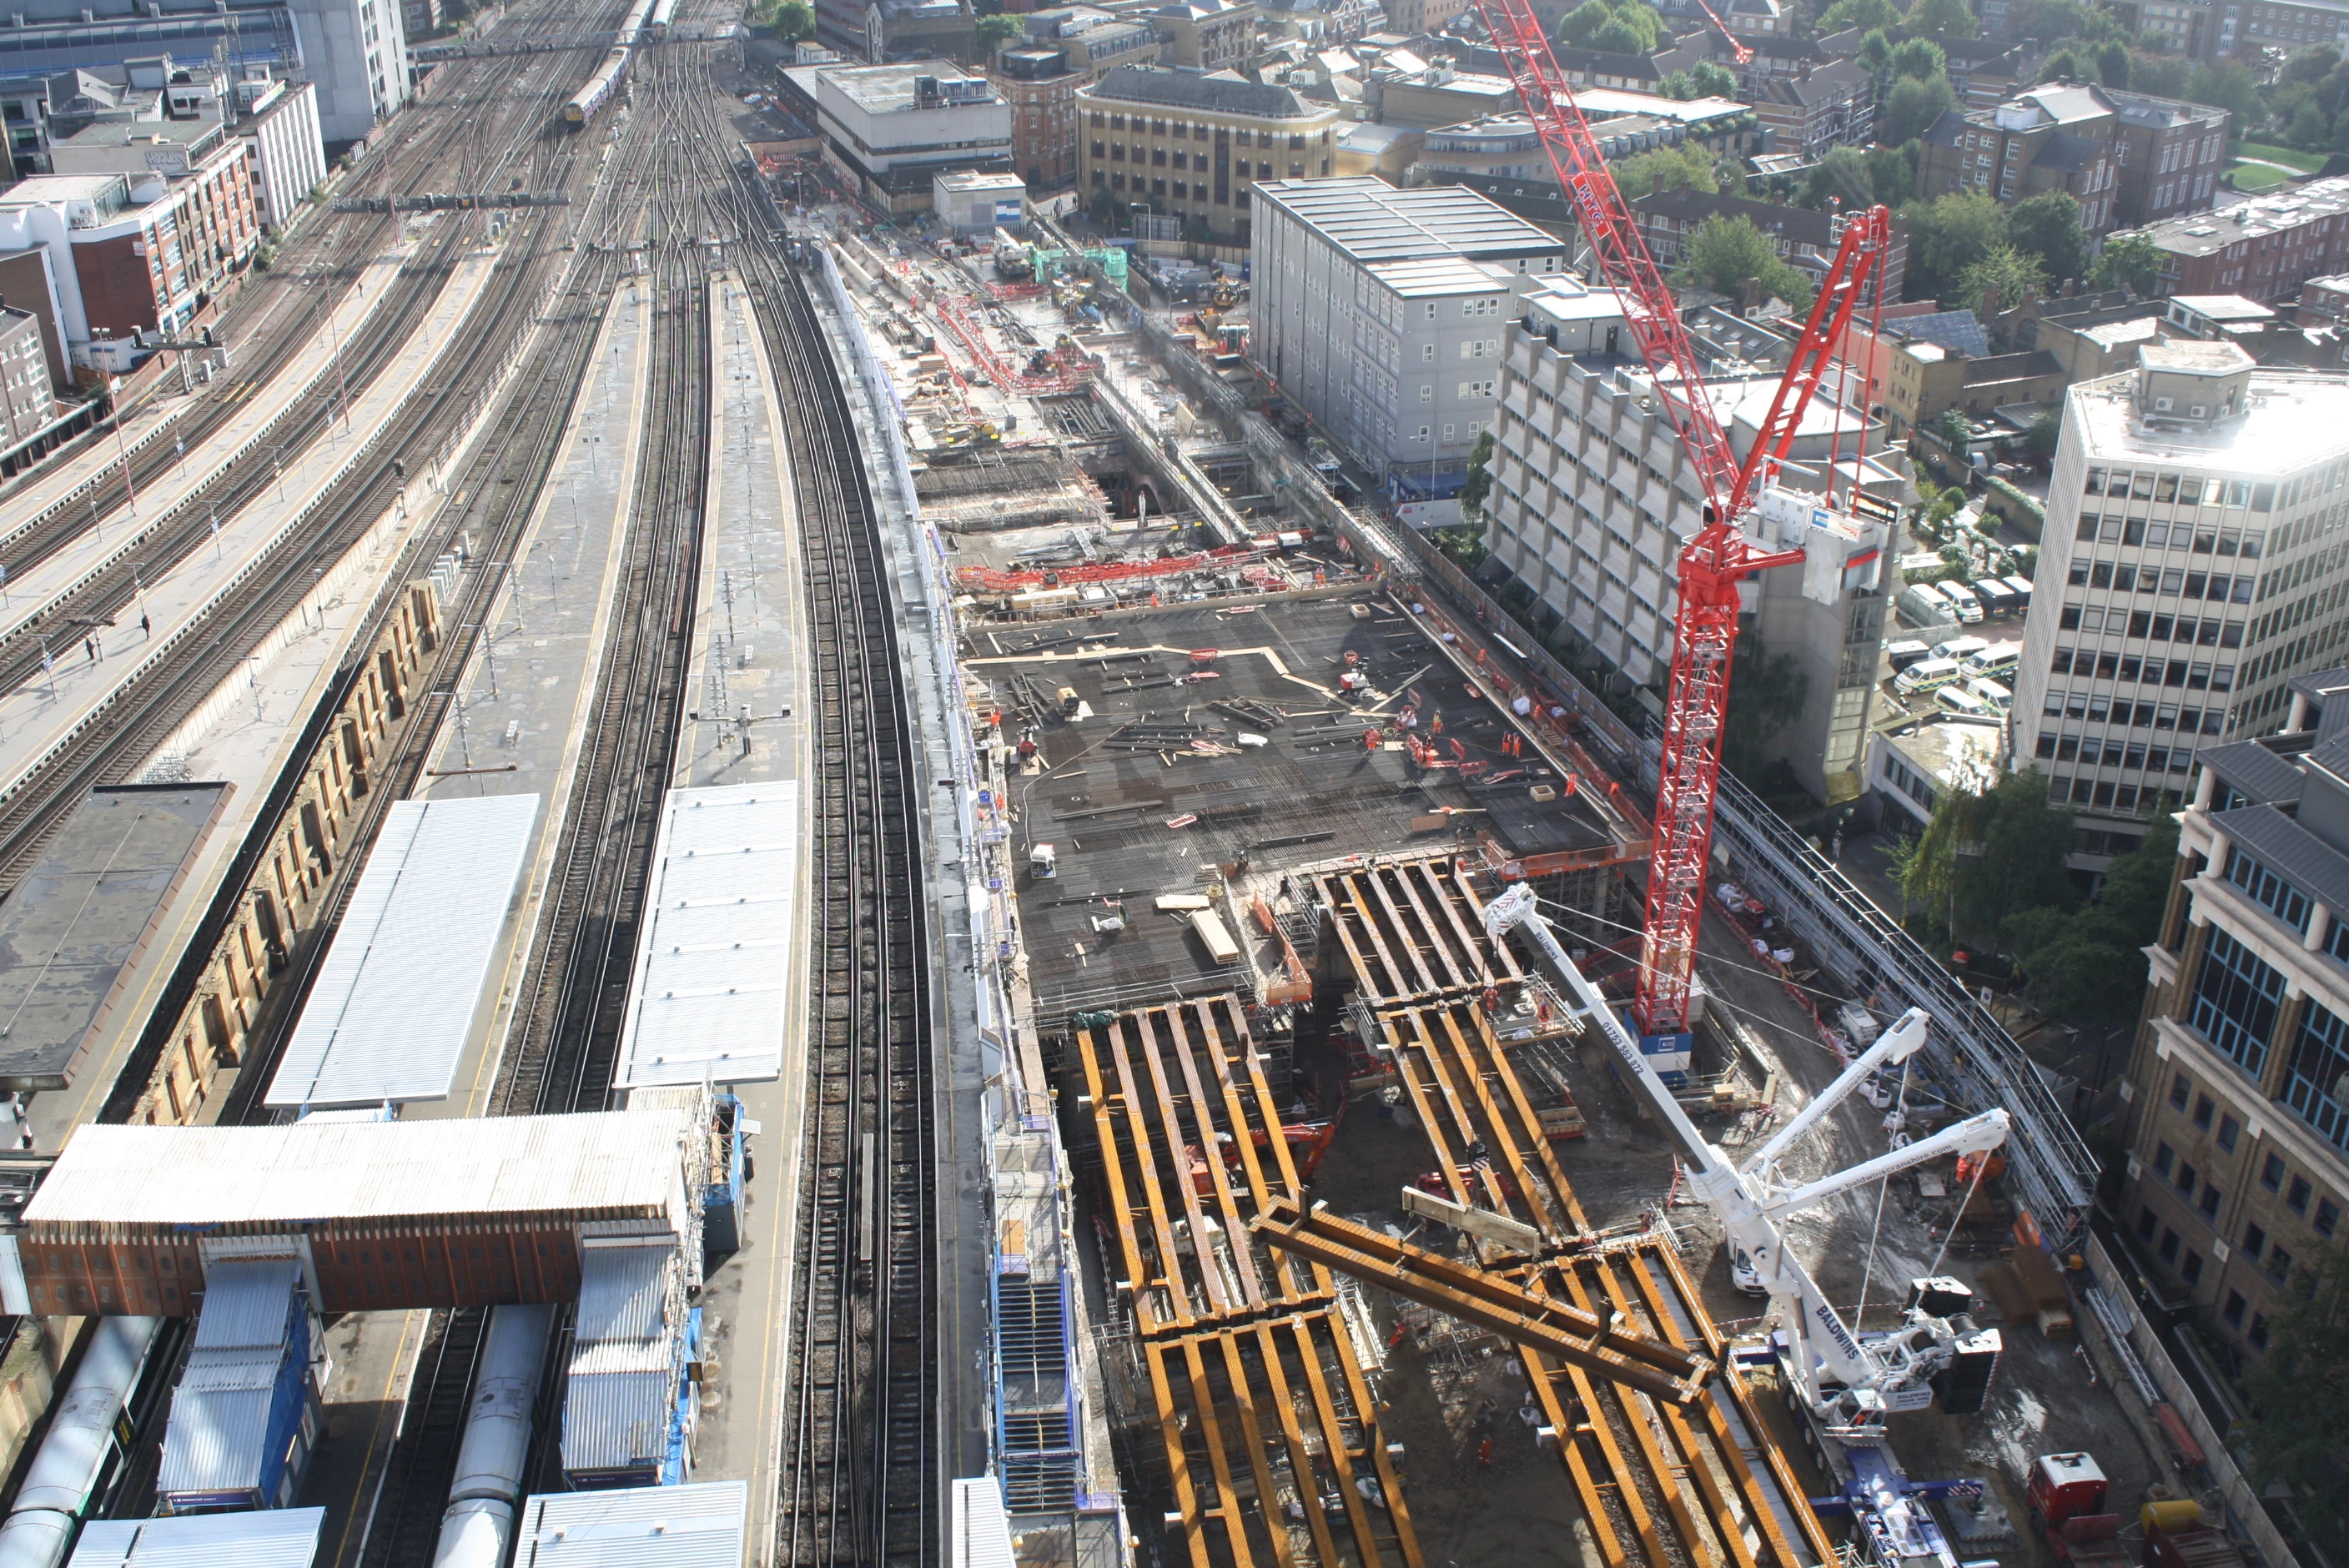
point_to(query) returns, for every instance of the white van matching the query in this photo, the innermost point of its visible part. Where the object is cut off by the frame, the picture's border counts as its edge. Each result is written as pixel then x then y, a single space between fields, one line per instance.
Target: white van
pixel 1992 692
pixel 1958 648
pixel 1997 661
pixel 1930 675
pixel 1965 704
pixel 1962 603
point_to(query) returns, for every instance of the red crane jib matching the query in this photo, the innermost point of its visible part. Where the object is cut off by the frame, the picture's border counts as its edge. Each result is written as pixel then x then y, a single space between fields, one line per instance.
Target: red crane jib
pixel 1720 555
pixel 1004 579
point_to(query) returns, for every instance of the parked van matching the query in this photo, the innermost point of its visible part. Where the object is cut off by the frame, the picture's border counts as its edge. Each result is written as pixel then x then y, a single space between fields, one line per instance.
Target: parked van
pixel 1921 604
pixel 1956 699
pixel 1906 652
pixel 1997 661
pixel 2022 586
pixel 1963 605
pixel 1997 598
pixel 1959 648
pixel 1992 693
pixel 1930 675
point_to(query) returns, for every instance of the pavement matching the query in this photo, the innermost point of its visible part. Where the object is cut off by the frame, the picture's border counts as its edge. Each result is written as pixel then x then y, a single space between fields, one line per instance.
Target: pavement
pixel 91 665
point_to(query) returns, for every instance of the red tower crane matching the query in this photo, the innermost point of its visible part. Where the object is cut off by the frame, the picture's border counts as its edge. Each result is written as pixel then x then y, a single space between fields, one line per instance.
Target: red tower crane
pixel 1720 556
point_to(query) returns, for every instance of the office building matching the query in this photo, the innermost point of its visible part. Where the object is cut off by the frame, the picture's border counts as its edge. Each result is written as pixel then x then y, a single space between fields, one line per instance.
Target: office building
pixel 2242 32
pixel 1190 147
pixel 1593 496
pixel 1378 313
pixel 921 30
pixel 1205 35
pixel 2060 136
pixel 2235 1110
pixel 893 129
pixel 1039 76
pixel 278 123
pixel 27 398
pixel 356 51
pixel 2264 249
pixel 2189 568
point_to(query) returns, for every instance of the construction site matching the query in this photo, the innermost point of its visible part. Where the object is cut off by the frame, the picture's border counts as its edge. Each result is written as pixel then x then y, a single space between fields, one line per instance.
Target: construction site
pixel 1358 1200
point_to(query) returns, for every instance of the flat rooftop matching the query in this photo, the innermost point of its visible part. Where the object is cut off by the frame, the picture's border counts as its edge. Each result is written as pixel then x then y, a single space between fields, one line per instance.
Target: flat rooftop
pixel 881 89
pixel 607 1164
pixel 1372 221
pixel 2295 421
pixel 1152 790
pixel 2205 233
pixel 72 930
pixel 704 1524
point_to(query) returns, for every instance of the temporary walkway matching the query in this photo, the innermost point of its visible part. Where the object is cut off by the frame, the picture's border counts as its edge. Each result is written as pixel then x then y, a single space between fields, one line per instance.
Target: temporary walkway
pixel 387 1017
pixel 39 718
pixel 391 1213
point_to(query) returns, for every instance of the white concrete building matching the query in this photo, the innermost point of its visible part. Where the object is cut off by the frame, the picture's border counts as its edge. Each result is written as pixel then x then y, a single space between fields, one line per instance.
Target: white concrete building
pixel 284 144
pixel 894 128
pixel 1381 313
pixel 356 53
pixel 1593 497
pixel 2191 566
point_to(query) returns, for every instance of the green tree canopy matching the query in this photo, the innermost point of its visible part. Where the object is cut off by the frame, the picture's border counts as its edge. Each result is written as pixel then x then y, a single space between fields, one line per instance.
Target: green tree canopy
pixel 1993 850
pixel 1665 168
pixel 1867 15
pixel 2043 21
pixel 791 21
pixel 1619 26
pixel 2299 1394
pixel 1725 253
pixel 1919 57
pixel 2000 280
pixel 1479 482
pixel 2132 262
pixel 2046 434
pixel 2046 227
pixel 994 32
pixel 1892 171
pixel 2232 87
pixel 2063 66
pixel 1911 107
pixel 1952 17
pixel 1703 80
pixel 1946 237
pixel 2112 64
pixel 2081 962
pixel 1875 50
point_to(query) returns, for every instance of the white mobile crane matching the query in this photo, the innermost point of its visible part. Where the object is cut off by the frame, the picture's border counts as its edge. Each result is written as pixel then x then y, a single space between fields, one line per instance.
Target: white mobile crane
pixel 1846 1384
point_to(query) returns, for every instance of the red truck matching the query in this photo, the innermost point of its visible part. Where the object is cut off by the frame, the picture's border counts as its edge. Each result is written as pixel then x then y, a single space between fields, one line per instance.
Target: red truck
pixel 2067 1498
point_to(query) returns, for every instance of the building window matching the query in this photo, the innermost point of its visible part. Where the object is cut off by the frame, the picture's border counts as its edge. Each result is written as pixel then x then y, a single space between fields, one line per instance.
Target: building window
pixel 2233 1313
pixel 2202 1111
pixel 2287 903
pixel 2316 1085
pixel 2235 1001
pixel 2190 1271
pixel 2179 1088
pixel 2168 1250
pixel 2328 1216
pixel 2163 1158
pixel 2271 1173
pixel 2211 1201
pixel 2258 1334
pixel 2228 1130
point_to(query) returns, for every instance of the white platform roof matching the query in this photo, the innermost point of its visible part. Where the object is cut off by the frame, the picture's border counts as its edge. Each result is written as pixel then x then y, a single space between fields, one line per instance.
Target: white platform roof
pixel 699 1526
pixel 272 1538
pixel 593 1165
pixel 712 980
pixel 389 1013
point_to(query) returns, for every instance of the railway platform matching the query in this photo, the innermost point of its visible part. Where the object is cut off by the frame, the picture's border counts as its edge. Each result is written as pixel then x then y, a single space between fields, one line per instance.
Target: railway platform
pixel 89 665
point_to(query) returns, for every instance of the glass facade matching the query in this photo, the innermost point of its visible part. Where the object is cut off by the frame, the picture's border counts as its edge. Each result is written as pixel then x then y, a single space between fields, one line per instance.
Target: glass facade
pixel 2269 891
pixel 2316 1084
pixel 2235 1001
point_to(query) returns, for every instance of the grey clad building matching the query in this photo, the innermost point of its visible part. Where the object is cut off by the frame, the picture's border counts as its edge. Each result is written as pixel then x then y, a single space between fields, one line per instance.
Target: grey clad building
pixel 1381 314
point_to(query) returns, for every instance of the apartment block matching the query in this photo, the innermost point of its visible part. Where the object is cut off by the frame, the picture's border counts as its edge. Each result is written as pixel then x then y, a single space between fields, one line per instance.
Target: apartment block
pixel 2239 30
pixel 2237 1099
pixel 27 399
pixel 284 146
pixel 1205 35
pixel 1190 147
pixel 2264 249
pixel 1826 107
pixel 2057 137
pixel 2170 156
pixel 1593 497
pixel 1380 314
pixel 2190 569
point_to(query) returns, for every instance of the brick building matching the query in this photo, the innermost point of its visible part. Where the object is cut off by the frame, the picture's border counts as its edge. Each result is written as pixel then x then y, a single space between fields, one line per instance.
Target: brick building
pixel 1803 238
pixel 2264 249
pixel 27 398
pixel 2170 156
pixel 1826 107
pixel 2055 138
pixel 1061 50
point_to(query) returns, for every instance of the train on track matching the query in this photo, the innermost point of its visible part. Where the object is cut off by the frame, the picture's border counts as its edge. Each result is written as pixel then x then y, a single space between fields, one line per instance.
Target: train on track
pixel 125 1373
pixel 612 74
pixel 656 26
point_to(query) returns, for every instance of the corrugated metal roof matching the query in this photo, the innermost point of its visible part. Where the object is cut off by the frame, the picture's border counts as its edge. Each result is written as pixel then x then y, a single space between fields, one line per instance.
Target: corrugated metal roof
pixel 708 998
pixel 612 1421
pixel 217 1437
pixel 247 1302
pixel 612 1163
pixel 1372 221
pixel 2291 851
pixel 624 1292
pixel 699 1526
pixel 2257 771
pixel 387 1017
pixel 982 1531
pixel 276 1538
pixel 229 1371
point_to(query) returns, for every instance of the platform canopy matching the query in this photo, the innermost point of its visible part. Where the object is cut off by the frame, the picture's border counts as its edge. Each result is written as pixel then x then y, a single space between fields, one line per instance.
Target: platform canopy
pixel 713 979
pixel 388 1016
pixel 272 1538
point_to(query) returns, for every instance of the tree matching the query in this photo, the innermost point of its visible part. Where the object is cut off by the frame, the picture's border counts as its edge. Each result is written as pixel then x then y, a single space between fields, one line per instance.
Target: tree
pixel 2230 86
pixel 1955 429
pixel 2164 76
pixel 2048 226
pixel 1993 848
pixel 2310 66
pixel 2310 126
pixel 1709 80
pixel 1875 50
pixel 1843 174
pixel 2083 961
pixel 2043 21
pixel 1766 694
pixel 1726 253
pixel 2131 261
pixel 2000 280
pixel 2112 64
pixel 1919 57
pixel 2046 432
pixel 1665 168
pixel 791 21
pixel 2299 1394
pixel 1892 173
pixel 2063 66
pixel 1911 107
pixel 994 32
pixel 1946 237
pixel 1618 27
pixel 1950 18
pixel 1479 482
pixel 1866 14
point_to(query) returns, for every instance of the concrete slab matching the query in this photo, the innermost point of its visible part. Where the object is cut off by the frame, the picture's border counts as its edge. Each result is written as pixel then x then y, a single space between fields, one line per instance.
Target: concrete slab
pixel 36 720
